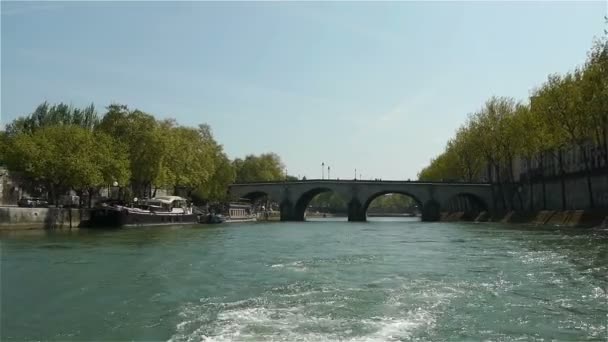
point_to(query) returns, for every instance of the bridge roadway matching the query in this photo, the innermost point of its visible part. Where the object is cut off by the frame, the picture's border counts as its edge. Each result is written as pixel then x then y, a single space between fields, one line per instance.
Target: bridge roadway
pixel 432 197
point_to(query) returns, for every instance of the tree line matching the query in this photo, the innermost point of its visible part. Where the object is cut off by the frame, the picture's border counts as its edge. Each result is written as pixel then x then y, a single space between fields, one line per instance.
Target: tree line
pixel 568 112
pixel 58 148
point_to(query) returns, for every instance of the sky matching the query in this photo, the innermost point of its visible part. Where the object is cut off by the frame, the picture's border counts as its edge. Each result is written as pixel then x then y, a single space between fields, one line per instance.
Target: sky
pixel 378 87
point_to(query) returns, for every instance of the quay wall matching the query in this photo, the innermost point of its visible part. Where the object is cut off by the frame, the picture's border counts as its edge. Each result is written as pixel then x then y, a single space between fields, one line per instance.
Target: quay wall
pixel 590 218
pixel 530 196
pixel 12 218
pixel 531 204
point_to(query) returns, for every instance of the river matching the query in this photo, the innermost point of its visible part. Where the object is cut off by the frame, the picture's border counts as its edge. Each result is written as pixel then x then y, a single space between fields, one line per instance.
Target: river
pixel 383 280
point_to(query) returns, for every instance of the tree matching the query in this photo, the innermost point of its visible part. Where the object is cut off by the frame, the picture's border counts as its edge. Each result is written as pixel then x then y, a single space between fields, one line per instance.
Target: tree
pixel 141 136
pixel 536 138
pixel 560 103
pixel 67 157
pixel 469 160
pixel 188 159
pixel 46 115
pixel 329 202
pixel 594 94
pixel 3 147
pixel 223 174
pixel 266 167
pixel 442 168
pixel 391 203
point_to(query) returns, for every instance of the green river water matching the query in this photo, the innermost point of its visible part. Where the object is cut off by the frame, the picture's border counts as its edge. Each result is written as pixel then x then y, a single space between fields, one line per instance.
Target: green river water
pixel 327 280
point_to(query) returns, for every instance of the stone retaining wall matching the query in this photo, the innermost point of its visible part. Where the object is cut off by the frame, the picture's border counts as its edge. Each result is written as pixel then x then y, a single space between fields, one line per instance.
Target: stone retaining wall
pixel 41 218
pixel 565 218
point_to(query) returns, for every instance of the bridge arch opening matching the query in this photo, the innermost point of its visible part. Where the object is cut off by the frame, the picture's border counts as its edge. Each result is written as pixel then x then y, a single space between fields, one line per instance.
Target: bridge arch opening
pixel 465 206
pixel 392 204
pixel 320 203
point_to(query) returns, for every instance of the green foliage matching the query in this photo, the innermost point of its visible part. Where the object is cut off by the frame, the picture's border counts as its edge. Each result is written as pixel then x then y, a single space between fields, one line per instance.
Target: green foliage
pixel 63 157
pixel 215 188
pixel 141 136
pixel 58 148
pixel 3 147
pixel 59 114
pixel 265 167
pixel 329 202
pixel 567 110
pixel 391 203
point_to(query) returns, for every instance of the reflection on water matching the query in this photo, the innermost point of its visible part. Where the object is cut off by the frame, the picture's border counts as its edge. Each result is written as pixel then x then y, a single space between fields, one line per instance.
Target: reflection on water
pixel 326 279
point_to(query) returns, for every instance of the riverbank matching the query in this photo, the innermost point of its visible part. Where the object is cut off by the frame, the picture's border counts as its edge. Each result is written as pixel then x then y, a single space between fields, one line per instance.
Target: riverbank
pixel 17 218
pixel 568 218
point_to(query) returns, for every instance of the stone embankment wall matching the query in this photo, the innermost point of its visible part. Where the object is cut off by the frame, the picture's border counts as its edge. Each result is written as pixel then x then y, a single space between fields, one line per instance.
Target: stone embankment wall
pixel 567 218
pixel 41 218
pixel 576 194
pixel 526 204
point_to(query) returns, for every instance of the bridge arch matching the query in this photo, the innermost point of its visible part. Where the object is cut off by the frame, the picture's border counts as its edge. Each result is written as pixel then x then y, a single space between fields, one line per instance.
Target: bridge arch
pixel 376 195
pixel 303 201
pixel 467 203
pixel 430 209
pixel 255 195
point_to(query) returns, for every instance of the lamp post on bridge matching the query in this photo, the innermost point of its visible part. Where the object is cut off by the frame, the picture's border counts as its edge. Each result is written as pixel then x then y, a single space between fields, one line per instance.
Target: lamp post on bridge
pixel 355 173
pixel 328 170
pixel 322 170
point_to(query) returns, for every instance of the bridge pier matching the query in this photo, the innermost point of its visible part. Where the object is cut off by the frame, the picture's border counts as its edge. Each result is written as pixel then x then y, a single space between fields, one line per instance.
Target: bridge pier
pixel 431 211
pixel 356 212
pixel 288 212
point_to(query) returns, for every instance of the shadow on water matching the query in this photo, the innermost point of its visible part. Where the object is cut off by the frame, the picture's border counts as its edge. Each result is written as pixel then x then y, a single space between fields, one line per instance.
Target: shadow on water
pixel 57 239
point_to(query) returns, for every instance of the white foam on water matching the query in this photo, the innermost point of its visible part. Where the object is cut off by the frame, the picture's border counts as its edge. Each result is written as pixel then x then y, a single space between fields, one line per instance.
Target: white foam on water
pixel 275 319
pixel 288 324
pixel 392 329
pixel 543 258
pixel 297 266
pixel 599 293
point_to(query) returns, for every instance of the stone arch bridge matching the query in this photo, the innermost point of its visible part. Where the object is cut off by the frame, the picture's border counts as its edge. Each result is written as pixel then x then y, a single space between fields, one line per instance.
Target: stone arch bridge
pixel 432 197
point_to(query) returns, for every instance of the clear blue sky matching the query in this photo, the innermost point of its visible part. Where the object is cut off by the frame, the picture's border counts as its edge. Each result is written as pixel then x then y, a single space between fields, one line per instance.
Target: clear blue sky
pixel 375 86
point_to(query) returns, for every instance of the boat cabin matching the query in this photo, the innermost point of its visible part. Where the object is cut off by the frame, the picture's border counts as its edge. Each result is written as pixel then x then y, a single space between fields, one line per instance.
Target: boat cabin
pixel 239 210
pixel 172 204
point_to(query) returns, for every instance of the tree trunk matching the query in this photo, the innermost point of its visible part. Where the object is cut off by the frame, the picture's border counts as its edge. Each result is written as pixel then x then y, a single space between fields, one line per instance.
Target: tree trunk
pixel 530 184
pixel 605 146
pixel 500 186
pixel 562 177
pixel 587 162
pixel 511 174
pixel 90 199
pixel 542 180
pixel 489 170
pixel 54 193
pixel 470 174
